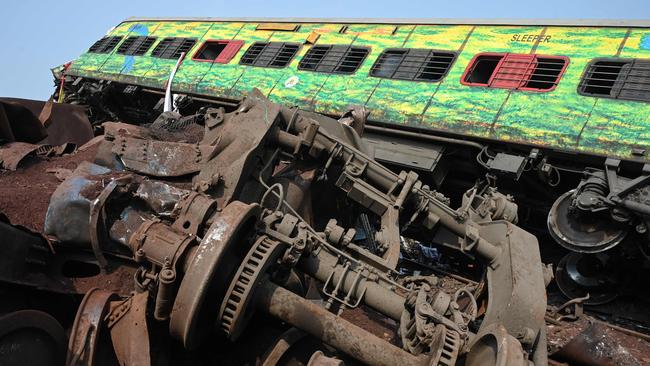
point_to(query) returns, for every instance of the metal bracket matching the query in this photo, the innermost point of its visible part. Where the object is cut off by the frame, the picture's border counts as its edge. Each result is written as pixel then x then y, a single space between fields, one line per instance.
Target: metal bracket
pixel 346 301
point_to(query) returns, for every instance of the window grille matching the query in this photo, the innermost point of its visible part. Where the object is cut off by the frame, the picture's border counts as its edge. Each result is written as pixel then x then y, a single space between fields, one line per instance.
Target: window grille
pixel 627 79
pixel 515 71
pixel 172 48
pixel 334 59
pixel 269 54
pixel 105 45
pixel 413 64
pixel 136 46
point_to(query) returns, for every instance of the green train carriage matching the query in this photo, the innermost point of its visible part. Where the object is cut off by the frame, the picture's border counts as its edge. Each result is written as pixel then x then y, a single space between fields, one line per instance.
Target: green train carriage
pixel 565 113
pixel 529 102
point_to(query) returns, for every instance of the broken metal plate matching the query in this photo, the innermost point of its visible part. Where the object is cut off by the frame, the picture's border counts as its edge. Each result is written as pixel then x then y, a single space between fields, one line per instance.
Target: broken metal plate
pixel 160 158
pixel 14 153
pixel 406 153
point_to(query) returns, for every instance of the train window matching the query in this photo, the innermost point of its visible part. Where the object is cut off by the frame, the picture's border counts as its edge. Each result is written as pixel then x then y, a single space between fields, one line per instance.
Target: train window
pixel 136 46
pixel 627 79
pixel 269 54
pixel 334 59
pixel 515 71
pixel 482 69
pixel 105 45
pixel 172 47
pixel 413 64
pixel 218 51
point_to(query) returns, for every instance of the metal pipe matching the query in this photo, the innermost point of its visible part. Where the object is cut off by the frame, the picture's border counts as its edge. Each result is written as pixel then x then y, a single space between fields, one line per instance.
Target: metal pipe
pixel 165 294
pixel 636 206
pixel 169 102
pixel 331 329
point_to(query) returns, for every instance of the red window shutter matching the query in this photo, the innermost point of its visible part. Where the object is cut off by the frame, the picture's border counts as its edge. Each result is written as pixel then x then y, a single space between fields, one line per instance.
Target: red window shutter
pixel 229 52
pixel 513 71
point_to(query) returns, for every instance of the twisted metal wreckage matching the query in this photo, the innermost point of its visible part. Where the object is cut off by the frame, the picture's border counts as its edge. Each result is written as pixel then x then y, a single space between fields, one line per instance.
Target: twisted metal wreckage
pixel 203 222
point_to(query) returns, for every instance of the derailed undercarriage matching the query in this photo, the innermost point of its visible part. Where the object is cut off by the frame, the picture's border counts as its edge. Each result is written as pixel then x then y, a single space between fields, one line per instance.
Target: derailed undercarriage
pixel 271 235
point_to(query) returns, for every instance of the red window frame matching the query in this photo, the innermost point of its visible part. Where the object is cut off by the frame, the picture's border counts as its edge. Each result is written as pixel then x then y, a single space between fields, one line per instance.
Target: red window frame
pixel 225 56
pixel 514 70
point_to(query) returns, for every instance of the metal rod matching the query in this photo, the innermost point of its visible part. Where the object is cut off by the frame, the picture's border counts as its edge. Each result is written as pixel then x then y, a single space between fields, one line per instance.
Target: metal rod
pixel 629 332
pixel 169 102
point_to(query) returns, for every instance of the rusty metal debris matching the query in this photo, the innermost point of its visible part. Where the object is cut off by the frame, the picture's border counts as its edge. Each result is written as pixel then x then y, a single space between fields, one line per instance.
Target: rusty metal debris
pixel 88 335
pixel 39 122
pixel 570 310
pixel 12 154
pixel 29 128
pixel 595 345
pixel 189 236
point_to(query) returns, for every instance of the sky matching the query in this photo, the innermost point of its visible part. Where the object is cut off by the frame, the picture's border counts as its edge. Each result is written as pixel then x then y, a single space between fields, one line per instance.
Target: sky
pixel 38 35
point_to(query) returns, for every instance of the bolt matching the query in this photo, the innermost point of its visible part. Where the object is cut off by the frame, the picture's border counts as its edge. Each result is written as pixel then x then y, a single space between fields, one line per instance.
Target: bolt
pixel 167 275
pixel 139 255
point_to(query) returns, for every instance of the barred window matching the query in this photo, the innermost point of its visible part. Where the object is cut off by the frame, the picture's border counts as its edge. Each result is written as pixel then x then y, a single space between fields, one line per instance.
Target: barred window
pixel 218 51
pixel 627 79
pixel 413 64
pixel 136 46
pixel 172 47
pixel 334 59
pixel 270 54
pixel 105 45
pixel 515 71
